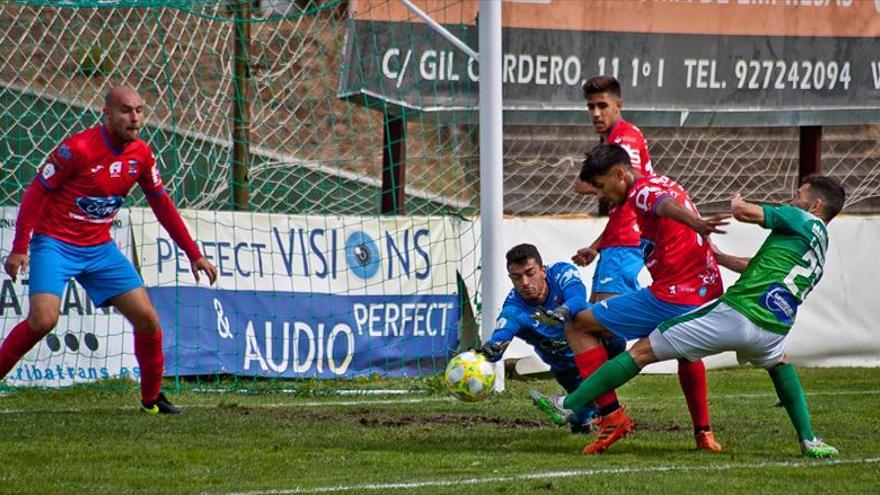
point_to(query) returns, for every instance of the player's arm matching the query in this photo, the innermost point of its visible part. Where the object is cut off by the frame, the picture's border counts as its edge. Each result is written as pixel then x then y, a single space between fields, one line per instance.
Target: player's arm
pixel 668 207
pixel 28 213
pixel 169 217
pixel 574 292
pixel 746 212
pixel 506 328
pixel 61 164
pixel 587 254
pixel 737 264
pixel 167 214
pixel 574 296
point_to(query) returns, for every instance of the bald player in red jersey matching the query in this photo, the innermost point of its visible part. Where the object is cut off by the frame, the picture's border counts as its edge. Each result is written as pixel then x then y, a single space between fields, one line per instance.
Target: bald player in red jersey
pixel 69 207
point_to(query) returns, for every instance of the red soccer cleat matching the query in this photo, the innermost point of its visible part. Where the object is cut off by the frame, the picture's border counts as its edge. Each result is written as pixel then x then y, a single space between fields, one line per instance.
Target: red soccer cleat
pixel 706 441
pixel 610 428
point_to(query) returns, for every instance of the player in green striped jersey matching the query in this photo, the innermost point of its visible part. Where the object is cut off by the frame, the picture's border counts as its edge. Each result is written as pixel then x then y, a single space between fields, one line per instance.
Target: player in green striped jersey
pixel 755 314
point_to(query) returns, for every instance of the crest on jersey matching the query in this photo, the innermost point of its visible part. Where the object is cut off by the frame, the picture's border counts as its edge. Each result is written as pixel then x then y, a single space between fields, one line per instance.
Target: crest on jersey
pixel 132 167
pixel 99 207
pixel 115 169
pixel 48 170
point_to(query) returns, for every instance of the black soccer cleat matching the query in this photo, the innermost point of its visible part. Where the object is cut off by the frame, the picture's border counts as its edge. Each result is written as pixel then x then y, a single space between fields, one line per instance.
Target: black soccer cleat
pixel 160 406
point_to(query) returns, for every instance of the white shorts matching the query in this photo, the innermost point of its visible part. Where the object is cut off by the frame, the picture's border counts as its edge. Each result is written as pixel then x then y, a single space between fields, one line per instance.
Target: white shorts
pixel 715 328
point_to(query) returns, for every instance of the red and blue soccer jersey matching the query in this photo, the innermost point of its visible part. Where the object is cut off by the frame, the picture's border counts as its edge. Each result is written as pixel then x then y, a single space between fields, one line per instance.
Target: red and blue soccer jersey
pixel 679 259
pixel 89 179
pixel 622 229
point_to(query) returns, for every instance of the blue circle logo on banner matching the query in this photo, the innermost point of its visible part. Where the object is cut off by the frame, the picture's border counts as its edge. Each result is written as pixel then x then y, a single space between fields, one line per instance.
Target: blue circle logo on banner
pixel 362 254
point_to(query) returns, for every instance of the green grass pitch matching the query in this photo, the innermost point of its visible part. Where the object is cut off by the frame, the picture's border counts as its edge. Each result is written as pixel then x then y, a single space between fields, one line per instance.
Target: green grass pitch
pixel 93 440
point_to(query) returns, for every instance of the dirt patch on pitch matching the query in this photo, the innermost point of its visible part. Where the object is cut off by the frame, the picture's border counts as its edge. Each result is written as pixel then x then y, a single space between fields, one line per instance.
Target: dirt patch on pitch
pixel 379 419
pixel 469 421
pixel 668 426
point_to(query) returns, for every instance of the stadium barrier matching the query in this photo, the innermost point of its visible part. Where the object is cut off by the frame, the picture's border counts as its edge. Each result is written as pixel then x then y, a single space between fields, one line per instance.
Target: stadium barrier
pixel 836 326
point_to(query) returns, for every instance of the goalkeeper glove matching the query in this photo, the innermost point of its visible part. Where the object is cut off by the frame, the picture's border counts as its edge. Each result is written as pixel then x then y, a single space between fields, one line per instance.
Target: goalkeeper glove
pixel 491 351
pixel 556 316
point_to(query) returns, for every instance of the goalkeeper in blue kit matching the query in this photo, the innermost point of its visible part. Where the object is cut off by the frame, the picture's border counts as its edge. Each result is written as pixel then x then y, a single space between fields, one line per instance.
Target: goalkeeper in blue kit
pixel 542 298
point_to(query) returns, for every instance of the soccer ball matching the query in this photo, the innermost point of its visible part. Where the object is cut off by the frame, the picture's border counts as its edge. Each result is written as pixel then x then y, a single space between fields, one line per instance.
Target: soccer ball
pixel 470 377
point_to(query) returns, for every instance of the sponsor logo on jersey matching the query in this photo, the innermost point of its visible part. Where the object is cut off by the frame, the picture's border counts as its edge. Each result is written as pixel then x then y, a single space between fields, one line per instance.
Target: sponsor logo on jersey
pixel 48 170
pixel 132 168
pixel 96 169
pixel 99 207
pixel 606 280
pixel 781 303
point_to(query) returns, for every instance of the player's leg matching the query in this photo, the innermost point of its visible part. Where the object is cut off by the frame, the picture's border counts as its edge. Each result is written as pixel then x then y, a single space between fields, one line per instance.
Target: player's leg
pixel 692 379
pixel 583 334
pixel 711 329
pixel 581 419
pixel 51 266
pixel 109 279
pixel 612 374
pixel 42 318
pixel 617 273
pixel 622 315
pixel 692 374
pixel 790 392
pixel 137 308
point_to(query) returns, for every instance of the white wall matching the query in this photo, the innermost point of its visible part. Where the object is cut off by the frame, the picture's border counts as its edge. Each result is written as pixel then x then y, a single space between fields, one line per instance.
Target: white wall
pixel 836 326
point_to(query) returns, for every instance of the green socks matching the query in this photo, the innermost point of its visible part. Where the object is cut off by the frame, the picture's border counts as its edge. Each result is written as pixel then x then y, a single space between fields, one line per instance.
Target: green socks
pixel 791 394
pixel 608 377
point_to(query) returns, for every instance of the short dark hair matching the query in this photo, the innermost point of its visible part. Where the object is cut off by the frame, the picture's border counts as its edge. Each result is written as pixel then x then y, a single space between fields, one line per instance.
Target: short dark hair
pixel 830 191
pixel 520 254
pixel 601 159
pixel 601 84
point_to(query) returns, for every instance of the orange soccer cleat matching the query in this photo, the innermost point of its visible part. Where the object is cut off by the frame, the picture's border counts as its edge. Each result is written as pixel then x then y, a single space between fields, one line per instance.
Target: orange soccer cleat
pixel 610 428
pixel 706 441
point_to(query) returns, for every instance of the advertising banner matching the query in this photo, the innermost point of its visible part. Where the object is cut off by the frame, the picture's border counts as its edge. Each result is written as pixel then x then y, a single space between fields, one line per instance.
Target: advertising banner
pixel 88 344
pixel 305 296
pixel 697 63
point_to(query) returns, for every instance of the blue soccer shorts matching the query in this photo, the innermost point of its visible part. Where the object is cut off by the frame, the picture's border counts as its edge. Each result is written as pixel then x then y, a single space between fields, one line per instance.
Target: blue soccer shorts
pixel 637 314
pixel 102 270
pixel 617 271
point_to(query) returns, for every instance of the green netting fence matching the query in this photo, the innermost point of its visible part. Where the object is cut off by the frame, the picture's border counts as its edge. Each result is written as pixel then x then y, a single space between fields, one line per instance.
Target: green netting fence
pixel 281 181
